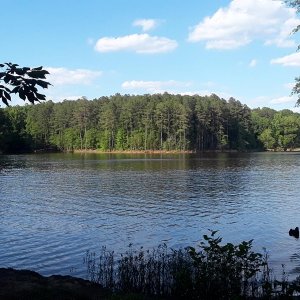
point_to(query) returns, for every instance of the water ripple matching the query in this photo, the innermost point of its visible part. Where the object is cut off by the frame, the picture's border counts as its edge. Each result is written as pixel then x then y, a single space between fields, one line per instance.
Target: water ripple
pixel 54 208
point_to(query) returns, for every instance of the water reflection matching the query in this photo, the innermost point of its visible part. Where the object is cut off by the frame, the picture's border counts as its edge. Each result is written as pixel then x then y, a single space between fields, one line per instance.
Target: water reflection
pixel 54 207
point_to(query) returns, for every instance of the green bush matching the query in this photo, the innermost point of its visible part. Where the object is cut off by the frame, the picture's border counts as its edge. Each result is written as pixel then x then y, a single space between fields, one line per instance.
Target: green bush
pixel 209 271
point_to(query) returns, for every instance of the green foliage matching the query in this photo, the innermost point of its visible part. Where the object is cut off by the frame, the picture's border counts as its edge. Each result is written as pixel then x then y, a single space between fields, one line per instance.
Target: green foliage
pixel 294 4
pixel 69 138
pixel 210 271
pixel 296 88
pixel 38 124
pixel 228 268
pixel 280 131
pixel 91 138
pixel 267 139
pixel 121 139
pixel 148 122
pixel 276 130
pixel 22 81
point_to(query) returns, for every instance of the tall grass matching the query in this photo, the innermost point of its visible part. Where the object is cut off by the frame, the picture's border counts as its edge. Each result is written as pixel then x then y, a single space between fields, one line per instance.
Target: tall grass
pixel 210 271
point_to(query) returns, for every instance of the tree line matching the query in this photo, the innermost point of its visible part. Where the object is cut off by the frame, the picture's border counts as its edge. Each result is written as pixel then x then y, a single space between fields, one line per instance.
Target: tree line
pixel 147 122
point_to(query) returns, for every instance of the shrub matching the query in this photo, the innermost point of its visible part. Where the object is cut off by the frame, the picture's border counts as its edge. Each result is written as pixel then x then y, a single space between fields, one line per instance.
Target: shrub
pixel 209 271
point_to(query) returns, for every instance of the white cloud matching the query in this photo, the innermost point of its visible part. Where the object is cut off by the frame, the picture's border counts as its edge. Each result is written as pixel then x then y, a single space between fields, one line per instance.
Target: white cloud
pixel 172 87
pixel 292 60
pixel 253 63
pixel 227 44
pixel 273 102
pixel 244 21
pixel 139 43
pixel 282 39
pixel 192 93
pixel 64 76
pixel 61 97
pixel 70 97
pixel 154 86
pixel 259 101
pixel 146 24
pixel 208 84
pixel 282 100
pixel 296 109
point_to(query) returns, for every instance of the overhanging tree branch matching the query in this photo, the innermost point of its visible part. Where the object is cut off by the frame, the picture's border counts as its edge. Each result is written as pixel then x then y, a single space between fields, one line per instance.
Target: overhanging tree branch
pixel 296 89
pixel 22 81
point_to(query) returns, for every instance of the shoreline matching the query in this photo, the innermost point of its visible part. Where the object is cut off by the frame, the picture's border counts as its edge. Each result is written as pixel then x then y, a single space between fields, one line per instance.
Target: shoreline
pixel 83 151
pixel 97 151
pixel 27 284
pixel 155 152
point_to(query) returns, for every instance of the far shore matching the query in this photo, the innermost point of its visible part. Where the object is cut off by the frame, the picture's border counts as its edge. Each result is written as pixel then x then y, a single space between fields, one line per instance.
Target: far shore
pixel 281 150
pixel 161 152
pixel 98 151
pixel 134 151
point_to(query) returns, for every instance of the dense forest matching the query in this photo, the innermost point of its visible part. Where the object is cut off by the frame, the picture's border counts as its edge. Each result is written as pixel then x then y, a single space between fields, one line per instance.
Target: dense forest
pixel 147 122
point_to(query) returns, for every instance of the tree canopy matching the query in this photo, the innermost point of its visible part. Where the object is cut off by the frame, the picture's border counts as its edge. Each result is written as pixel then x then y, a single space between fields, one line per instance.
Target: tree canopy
pixel 22 81
pixel 147 122
pixel 296 89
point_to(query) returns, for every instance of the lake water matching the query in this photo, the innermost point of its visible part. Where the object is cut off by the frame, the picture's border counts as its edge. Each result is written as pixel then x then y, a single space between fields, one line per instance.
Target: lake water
pixel 55 207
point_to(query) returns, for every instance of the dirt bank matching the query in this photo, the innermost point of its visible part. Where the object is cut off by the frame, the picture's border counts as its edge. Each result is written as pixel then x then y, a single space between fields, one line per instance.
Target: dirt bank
pixel 24 284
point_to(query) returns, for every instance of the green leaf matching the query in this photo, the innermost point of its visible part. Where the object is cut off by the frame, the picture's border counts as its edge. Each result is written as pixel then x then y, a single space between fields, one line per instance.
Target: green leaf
pixel 192 249
pixel 4 100
pixel 2 87
pixel 6 79
pixel 40 96
pixel 35 74
pixel 42 83
pixel 22 81
pixel 31 98
pixel 20 71
pixel 15 90
pixel 22 94
pixel 38 68
pixel 7 95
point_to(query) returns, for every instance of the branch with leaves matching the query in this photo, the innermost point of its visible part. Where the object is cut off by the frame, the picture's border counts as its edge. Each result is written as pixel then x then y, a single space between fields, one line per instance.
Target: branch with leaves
pixel 23 81
pixel 296 89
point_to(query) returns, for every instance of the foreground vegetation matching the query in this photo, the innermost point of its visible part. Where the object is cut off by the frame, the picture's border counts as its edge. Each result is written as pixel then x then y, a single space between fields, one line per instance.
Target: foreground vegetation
pixel 213 271
pixel 149 122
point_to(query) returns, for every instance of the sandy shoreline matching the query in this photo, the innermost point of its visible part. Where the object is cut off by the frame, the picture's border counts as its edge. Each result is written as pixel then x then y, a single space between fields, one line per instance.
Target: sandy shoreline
pixel 97 151
pixel 134 151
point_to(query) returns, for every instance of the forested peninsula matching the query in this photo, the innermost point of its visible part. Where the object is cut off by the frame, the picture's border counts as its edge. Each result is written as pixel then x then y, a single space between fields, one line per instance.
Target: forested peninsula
pixel 161 122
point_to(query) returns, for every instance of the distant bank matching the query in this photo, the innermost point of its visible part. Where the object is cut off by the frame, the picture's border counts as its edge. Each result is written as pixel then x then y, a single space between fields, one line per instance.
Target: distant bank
pixel 151 151
pixel 134 151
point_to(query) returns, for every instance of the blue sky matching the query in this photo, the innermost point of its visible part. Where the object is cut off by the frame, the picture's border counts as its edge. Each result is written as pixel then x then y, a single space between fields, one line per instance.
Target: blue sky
pixel 93 48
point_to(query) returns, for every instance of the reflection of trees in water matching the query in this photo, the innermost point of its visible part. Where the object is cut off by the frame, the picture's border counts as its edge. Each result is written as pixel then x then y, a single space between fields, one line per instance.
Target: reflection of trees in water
pixel 152 197
pixel 217 174
pixel 13 162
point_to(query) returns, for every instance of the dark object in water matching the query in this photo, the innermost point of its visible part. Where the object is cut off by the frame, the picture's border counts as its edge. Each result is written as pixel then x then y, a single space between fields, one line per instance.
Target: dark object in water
pixel 294 232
